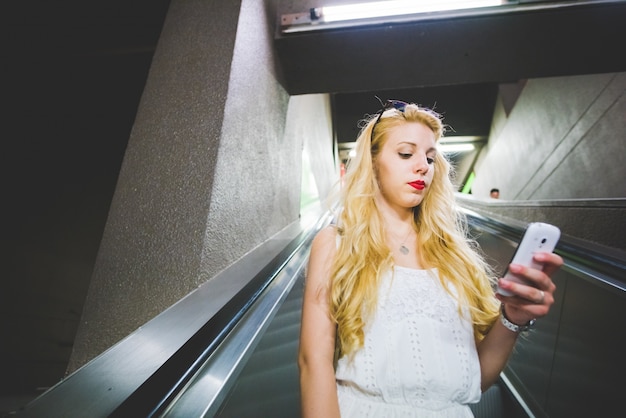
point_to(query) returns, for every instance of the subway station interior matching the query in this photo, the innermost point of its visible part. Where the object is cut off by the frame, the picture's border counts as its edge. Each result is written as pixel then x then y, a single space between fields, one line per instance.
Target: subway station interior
pixel 166 164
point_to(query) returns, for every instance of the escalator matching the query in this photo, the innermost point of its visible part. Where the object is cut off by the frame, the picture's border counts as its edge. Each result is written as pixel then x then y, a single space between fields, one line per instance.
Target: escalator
pixel 570 365
pixel 242 361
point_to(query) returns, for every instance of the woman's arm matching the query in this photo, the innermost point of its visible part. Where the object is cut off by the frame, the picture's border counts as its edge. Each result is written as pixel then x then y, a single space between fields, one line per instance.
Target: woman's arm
pixel 527 303
pixel 317 333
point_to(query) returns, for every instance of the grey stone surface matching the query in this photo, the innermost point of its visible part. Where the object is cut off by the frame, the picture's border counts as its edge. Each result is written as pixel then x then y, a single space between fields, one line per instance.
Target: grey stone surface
pixel 564 139
pixel 207 175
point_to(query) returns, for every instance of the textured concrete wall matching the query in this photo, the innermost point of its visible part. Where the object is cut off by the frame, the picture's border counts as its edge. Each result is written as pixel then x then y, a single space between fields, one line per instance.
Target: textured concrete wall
pixel 207 175
pixel 563 139
pixel 600 221
pixel 255 191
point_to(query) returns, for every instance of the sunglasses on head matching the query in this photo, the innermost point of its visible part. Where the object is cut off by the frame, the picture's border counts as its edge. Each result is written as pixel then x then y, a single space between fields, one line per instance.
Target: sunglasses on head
pixel 389 104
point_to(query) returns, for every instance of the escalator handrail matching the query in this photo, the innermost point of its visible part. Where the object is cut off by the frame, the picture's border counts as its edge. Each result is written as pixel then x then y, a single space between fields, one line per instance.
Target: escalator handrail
pixel 162 387
pixel 205 394
pixel 107 387
pixel 594 261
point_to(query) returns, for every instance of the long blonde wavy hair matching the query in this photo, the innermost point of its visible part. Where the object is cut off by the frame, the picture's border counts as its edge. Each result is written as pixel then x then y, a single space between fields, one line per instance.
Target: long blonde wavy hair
pixel 443 241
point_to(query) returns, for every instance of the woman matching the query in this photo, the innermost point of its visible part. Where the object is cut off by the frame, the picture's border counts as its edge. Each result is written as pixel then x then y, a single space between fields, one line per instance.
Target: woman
pixel 399 315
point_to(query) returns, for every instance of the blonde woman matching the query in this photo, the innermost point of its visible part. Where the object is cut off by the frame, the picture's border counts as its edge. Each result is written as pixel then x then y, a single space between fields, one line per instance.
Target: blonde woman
pixel 399 317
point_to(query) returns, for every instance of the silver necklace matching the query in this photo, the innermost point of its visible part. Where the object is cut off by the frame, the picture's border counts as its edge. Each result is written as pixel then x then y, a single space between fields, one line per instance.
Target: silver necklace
pixel 403 248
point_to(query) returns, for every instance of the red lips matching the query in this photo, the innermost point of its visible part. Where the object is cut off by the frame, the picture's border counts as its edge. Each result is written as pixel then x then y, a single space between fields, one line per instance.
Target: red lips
pixel 418 184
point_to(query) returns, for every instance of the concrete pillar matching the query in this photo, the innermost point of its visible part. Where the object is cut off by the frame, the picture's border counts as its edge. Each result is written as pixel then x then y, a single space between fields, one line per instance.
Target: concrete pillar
pixel 208 173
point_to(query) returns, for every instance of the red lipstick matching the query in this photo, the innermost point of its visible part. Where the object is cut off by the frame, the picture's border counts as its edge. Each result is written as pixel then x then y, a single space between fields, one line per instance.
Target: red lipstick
pixel 418 184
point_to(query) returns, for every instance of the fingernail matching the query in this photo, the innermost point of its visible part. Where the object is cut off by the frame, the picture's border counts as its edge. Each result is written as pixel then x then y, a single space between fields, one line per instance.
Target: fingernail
pixel 540 256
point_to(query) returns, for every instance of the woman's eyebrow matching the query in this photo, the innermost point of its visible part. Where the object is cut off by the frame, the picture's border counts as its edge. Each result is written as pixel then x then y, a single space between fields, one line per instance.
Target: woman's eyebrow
pixel 415 145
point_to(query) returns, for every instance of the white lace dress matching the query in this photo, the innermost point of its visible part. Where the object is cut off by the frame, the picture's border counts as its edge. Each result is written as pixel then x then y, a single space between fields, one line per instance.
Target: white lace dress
pixel 419 357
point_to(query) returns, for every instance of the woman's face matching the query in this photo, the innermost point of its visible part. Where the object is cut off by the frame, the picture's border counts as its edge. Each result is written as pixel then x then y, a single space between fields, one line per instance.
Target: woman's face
pixel 405 165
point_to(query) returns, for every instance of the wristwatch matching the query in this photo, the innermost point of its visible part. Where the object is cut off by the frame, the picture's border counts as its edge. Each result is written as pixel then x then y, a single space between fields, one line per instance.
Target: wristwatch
pixel 514 327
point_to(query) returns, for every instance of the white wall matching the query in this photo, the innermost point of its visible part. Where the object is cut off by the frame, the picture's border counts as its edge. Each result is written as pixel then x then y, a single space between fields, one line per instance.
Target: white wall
pixel 309 120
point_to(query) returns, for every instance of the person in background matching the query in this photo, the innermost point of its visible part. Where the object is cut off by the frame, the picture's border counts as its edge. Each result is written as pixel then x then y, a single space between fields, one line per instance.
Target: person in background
pixel 494 193
pixel 399 315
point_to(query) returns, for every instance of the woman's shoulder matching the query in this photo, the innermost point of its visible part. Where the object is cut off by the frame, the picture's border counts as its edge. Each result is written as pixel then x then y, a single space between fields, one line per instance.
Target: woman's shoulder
pixel 325 243
pixel 326 237
pixel 323 250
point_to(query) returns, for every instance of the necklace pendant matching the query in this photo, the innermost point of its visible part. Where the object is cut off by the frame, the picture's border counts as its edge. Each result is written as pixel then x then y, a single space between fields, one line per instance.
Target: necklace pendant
pixel 404 250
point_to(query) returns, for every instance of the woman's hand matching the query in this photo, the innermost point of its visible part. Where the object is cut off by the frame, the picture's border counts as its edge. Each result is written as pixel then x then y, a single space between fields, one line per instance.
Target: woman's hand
pixel 534 299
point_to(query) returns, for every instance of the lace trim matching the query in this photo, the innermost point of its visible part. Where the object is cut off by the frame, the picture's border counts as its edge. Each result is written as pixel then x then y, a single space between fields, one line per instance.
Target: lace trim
pixel 411 293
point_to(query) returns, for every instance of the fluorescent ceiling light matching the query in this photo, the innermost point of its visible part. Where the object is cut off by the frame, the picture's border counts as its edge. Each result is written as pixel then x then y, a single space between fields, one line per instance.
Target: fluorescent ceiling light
pixel 453 148
pixel 462 139
pixel 395 8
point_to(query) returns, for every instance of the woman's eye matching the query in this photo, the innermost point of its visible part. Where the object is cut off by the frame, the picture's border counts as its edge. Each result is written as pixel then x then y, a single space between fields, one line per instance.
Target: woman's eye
pixel 430 160
pixel 405 156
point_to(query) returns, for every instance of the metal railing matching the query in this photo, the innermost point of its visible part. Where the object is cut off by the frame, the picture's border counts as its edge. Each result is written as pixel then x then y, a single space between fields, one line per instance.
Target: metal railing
pixel 572 363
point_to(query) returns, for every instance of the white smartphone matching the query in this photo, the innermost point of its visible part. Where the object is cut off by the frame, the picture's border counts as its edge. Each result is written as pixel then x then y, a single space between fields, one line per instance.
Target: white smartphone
pixel 539 238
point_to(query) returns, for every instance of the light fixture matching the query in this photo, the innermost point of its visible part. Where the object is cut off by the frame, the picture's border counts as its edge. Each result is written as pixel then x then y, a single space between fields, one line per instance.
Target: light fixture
pixel 368 10
pixel 374 12
pixel 460 144
pixel 456 148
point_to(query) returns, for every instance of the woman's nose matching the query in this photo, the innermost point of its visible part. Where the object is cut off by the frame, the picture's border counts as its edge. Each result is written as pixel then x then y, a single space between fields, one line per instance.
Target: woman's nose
pixel 422 166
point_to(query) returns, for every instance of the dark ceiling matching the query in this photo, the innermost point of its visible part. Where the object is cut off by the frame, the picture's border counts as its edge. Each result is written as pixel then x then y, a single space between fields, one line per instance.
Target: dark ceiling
pixel 453 61
pixel 60 28
pixel 466 109
pixel 69 53
pixel 71 77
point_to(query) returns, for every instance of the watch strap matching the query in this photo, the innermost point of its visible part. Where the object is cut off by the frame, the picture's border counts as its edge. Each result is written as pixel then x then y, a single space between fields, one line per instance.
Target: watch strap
pixel 514 327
